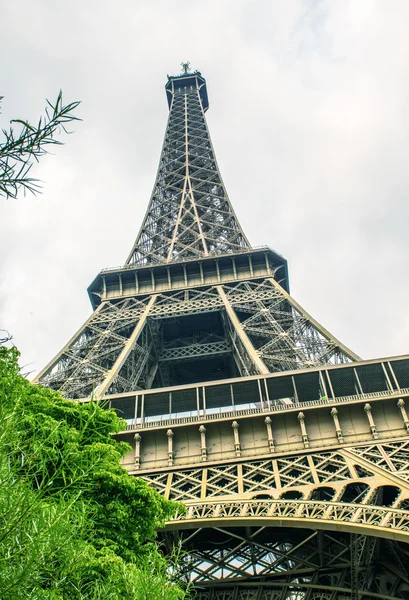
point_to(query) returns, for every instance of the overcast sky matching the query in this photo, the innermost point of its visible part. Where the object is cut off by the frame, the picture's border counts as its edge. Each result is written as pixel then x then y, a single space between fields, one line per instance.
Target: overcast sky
pixel 309 117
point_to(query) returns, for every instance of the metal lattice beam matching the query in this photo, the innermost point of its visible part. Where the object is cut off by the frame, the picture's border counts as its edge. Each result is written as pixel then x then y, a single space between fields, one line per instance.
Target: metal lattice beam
pixel 292 493
pixel 189 214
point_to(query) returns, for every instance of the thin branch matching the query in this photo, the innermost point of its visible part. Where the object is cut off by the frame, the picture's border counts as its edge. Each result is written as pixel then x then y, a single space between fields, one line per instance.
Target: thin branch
pixel 21 149
pixel 5 336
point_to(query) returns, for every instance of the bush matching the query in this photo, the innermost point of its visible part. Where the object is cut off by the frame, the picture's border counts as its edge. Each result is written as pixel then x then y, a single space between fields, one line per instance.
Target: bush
pixel 73 524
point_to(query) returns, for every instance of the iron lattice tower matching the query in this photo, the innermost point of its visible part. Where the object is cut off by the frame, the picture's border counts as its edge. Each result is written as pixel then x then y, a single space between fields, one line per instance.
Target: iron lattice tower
pixel 290 452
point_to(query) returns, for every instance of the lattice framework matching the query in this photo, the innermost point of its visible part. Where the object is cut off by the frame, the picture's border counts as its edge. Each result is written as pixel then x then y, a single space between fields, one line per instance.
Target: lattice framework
pixel 189 214
pixel 264 332
pixel 248 548
pixel 309 525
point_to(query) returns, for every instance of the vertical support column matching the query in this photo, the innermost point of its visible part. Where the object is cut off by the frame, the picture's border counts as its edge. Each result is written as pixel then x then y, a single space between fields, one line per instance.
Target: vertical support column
pixel 198 402
pixel 234 267
pixel 137 458
pixel 203 447
pixel 313 469
pixel 143 410
pixel 301 418
pixel 136 409
pixel 204 400
pixel 251 266
pixel 169 434
pixel 324 387
pixel 240 482
pixel 168 488
pixel 277 479
pixel 358 381
pixel 355 564
pixel 251 351
pixel 270 437
pixel 267 394
pixel 387 378
pixel 260 393
pixel 401 405
pixel 217 270
pixel 372 426
pixel 112 374
pixel 296 400
pixel 232 397
pixel 394 376
pixel 237 446
pixel 330 383
pixel 268 268
pixel 338 430
pixel 203 487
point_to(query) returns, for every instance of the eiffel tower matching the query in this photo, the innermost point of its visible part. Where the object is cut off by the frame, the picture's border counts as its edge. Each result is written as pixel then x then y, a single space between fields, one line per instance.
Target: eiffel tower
pixel 290 453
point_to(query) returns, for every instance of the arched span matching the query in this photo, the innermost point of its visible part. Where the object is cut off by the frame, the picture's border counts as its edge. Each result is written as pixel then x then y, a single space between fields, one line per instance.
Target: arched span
pixel 390 523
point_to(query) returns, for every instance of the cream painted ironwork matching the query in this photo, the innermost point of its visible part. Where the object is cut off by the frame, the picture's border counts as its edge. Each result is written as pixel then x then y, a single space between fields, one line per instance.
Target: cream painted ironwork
pixel 189 214
pixel 289 452
pixel 265 331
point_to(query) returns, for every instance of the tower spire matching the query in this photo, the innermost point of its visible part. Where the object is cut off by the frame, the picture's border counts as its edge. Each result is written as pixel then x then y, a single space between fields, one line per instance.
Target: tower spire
pixel 189 214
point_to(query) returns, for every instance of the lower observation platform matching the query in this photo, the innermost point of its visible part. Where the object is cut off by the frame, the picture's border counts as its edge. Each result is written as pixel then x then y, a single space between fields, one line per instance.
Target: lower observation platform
pixel 301 389
pixel 277 415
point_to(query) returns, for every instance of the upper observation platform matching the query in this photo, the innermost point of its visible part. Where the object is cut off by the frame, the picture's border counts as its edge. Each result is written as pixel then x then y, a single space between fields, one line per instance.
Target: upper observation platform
pixel 187 80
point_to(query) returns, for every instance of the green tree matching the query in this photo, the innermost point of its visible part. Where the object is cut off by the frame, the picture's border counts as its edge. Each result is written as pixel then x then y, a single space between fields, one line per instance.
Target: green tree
pixel 73 524
pixel 21 148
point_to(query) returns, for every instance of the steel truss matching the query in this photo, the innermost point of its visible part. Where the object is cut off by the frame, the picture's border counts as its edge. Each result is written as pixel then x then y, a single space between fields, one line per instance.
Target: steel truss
pixel 347 475
pixel 191 348
pixel 265 331
pixel 189 214
pixel 258 562
pixel 320 523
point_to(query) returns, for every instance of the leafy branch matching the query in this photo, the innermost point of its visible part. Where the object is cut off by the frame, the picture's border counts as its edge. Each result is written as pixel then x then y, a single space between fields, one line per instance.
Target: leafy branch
pixel 21 149
pixel 73 523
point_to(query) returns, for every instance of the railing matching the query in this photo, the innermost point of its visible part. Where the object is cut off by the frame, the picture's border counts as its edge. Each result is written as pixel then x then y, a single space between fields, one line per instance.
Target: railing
pixel 236 412
pixel 210 255
pixel 393 520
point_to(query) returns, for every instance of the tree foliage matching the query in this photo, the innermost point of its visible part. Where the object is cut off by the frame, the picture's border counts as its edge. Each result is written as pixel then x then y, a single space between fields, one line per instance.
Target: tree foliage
pixel 73 524
pixel 21 148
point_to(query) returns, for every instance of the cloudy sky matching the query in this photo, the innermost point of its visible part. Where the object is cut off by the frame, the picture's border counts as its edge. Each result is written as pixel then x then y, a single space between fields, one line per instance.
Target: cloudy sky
pixel 309 115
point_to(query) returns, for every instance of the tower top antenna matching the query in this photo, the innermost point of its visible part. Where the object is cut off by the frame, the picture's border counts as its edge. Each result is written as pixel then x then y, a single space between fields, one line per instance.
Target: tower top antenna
pixel 185 67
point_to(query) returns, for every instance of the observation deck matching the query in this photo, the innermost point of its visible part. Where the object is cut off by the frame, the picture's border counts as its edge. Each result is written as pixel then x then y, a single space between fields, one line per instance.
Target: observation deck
pixel 131 280
pixel 187 80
